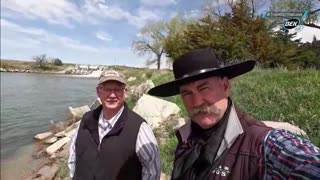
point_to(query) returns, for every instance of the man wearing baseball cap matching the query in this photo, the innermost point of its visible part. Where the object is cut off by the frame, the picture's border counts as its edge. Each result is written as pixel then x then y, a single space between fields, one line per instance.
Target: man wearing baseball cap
pixel 112 141
pixel 222 143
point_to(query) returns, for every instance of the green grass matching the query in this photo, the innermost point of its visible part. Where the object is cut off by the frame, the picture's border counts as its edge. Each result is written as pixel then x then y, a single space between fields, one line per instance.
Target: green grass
pixel 290 96
pixel 167 154
pixel 27 65
pixel 63 171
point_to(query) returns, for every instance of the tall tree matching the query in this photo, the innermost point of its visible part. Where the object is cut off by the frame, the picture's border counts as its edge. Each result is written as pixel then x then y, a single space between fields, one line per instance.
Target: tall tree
pixel 150 42
pixel 176 27
pixel 219 8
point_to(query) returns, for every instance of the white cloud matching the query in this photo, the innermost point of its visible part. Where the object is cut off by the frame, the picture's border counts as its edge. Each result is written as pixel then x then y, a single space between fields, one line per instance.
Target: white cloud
pixel 158 2
pixel 100 10
pixel 193 14
pixel 23 43
pixel 54 12
pixel 66 12
pixel 40 37
pixel 143 17
pixel 103 36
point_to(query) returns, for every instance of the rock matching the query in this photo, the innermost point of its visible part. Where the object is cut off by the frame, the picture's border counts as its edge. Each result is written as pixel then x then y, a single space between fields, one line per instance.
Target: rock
pixel 58 126
pixel 180 122
pixel 131 79
pixel 60 134
pixel 53 156
pixel 57 145
pixel 285 125
pixel 64 153
pixel 39 154
pixel 75 125
pixel 51 140
pixel 164 177
pixel 79 111
pixel 70 133
pixel 155 110
pixel 95 104
pixel 138 91
pixel 43 136
pixel 48 172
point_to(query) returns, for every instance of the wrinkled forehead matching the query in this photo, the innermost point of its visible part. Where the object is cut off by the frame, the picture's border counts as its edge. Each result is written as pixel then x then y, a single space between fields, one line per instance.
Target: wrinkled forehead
pixel 201 82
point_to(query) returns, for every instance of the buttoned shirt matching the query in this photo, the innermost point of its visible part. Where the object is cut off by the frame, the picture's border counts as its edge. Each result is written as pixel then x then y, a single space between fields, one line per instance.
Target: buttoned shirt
pixel 148 155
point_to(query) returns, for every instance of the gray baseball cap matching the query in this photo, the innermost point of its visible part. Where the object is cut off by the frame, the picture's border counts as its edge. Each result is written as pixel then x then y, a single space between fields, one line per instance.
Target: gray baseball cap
pixel 111 75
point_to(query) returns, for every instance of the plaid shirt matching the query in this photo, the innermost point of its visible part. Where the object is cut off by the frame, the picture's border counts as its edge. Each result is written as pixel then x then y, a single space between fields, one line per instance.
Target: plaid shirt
pixel 287 156
pixel 148 155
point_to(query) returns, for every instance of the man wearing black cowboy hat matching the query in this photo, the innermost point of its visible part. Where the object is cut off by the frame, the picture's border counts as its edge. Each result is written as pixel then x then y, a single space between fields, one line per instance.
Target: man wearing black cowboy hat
pixel 221 143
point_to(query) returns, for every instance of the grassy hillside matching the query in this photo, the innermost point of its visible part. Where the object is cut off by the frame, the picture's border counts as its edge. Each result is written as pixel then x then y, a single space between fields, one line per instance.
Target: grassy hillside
pixel 290 96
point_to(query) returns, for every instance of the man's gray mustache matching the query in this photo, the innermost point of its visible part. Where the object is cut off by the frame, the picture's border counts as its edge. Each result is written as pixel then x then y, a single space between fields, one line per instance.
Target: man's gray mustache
pixel 204 108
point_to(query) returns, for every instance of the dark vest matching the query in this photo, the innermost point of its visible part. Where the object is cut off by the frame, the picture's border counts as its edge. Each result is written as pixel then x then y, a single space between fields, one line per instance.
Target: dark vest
pixel 241 161
pixel 115 158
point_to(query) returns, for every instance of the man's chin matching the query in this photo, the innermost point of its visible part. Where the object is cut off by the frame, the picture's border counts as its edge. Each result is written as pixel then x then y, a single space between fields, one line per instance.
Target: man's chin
pixel 111 105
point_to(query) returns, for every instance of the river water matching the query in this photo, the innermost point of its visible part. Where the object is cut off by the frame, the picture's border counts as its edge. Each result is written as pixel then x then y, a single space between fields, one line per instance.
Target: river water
pixel 29 102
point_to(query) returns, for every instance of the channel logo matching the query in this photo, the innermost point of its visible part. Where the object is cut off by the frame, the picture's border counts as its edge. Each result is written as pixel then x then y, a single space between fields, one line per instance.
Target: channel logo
pixel 291 23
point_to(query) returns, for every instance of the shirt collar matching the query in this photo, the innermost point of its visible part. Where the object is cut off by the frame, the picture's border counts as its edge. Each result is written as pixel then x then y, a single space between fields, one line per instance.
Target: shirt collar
pixel 112 121
pixel 233 129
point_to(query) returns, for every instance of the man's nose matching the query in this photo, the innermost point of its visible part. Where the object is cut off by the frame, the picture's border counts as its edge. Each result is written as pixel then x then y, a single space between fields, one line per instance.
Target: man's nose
pixel 112 94
pixel 197 100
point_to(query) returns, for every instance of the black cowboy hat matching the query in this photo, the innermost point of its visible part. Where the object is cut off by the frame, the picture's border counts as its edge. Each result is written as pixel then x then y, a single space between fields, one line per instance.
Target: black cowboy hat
pixel 198 64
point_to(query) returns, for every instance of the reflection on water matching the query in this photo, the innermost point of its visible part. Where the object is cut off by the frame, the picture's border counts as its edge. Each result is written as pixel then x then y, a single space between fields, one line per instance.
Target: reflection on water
pixel 29 102
pixel 20 165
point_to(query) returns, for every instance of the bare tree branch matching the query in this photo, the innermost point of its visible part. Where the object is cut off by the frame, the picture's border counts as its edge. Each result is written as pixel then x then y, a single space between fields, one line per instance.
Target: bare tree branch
pixel 314 11
pixel 311 25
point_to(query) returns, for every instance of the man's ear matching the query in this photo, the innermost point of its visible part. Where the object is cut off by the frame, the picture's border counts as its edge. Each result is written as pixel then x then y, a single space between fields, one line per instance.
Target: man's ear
pixel 97 91
pixel 226 85
pixel 125 92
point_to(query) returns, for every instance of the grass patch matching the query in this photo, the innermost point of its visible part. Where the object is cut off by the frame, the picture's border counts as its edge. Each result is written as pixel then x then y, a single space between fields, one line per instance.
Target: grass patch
pixel 28 65
pixel 167 154
pixel 289 96
pixel 63 171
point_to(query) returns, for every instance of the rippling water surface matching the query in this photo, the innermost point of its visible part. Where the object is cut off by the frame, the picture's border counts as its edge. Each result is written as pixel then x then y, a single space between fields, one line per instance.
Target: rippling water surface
pixel 30 101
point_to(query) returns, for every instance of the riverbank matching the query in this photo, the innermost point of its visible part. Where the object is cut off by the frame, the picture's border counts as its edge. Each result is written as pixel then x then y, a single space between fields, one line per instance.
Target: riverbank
pixel 15 66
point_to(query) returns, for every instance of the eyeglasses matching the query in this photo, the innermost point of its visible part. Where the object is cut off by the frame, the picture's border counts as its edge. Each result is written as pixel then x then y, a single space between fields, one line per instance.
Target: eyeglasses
pixel 117 91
